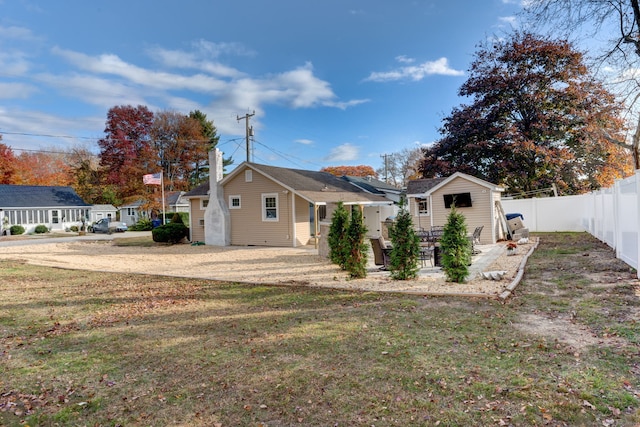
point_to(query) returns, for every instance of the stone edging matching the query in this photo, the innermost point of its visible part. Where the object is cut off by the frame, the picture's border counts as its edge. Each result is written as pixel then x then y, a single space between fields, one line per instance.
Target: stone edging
pixel 509 289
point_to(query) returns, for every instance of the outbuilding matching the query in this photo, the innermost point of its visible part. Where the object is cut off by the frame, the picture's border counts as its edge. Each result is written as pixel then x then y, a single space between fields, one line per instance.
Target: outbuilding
pixel 430 201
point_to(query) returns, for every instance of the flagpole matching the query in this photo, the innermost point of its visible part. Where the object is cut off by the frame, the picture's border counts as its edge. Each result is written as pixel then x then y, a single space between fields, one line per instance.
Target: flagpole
pixel 164 221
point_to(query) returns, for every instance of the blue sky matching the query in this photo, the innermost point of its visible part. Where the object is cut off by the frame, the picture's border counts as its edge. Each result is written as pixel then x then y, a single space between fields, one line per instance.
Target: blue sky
pixel 332 82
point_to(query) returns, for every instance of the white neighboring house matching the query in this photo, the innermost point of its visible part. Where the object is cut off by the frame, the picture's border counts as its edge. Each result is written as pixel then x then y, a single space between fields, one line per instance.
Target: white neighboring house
pixel 131 213
pixel 102 211
pixel 56 207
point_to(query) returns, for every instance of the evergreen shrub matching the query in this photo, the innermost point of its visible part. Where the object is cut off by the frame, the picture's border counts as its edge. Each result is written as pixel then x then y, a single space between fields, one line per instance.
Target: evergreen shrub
pixel 16 230
pixel 143 224
pixel 338 238
pixel 405 254
pixel 455 248
pixel 41 229
pixel 170 233
pixel 356 262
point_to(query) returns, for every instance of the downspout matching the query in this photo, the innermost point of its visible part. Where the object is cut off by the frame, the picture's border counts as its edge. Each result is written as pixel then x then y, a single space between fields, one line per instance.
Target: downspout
pixel 293 219
pixel 315 224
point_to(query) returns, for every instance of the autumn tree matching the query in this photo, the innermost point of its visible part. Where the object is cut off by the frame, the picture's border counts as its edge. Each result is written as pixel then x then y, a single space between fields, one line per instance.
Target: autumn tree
pixel 536 118
pixel 179 145
pixel 125 151
pixel 45 167
pixel 401 167
pixel 362 171
pixel 7 164
pixel 616 24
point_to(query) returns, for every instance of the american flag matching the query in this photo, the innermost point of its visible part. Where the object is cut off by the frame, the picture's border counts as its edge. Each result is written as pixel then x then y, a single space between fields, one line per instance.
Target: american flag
pixel 152 179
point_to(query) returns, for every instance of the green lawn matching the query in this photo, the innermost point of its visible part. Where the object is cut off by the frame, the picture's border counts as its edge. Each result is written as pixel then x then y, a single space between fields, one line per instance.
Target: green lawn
pixel 84 348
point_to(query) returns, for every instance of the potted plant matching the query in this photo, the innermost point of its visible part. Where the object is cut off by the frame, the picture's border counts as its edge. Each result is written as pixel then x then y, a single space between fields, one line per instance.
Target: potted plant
pixel 512 248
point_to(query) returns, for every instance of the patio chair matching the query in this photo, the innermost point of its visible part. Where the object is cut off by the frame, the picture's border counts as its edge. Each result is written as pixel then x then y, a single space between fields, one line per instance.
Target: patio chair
pixel 381 255
pixel 475 240
pixel 436 232
pixel 426 254
pixel 476 235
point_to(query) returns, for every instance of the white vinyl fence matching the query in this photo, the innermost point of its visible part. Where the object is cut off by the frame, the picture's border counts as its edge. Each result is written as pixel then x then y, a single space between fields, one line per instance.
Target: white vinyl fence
pixel 612 215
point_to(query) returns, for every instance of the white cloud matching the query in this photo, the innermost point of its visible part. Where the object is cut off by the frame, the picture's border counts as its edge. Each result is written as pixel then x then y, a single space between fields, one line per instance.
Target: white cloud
pixel 304 141
pixel 416 73
pixel 343 153
pixel 509 20
pixel 16 33
pixel 94 90
pixel 13 64
pixel 15 90
pixel 405 59
pixel 193 60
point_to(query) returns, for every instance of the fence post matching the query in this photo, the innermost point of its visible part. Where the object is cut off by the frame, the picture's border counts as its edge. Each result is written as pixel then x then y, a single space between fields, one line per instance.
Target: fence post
pixel 637 176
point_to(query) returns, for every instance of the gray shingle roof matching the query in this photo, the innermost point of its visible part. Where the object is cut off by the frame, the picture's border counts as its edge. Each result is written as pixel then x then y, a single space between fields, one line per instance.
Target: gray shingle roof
pixel 418 186
pixel 318 186
pixel 36 196
pixel 371 185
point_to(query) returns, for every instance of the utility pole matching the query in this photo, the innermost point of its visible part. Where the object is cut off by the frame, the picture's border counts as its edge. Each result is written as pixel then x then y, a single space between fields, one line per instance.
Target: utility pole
pixel 248 130
pixel 386 176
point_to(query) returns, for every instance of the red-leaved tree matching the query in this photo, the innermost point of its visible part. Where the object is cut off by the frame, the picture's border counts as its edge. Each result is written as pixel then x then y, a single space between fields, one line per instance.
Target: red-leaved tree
pixel 362 171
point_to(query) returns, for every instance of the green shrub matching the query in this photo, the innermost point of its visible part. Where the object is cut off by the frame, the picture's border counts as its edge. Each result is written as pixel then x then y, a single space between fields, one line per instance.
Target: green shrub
pixel 74 228
pixel 455 248
pixel 177 219
pixel 16 229
pixel 357 248
pixel 338 237
pixel 41 229
pixel 143 224
pixel 170 233
pixel 406 247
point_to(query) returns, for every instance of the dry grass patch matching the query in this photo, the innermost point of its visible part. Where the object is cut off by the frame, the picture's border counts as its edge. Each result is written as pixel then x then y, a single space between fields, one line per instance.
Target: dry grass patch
pixel 86 348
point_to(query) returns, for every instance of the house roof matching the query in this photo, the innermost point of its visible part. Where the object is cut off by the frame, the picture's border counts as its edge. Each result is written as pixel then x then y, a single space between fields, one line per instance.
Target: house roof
pixel 372 185
pixel 456 175
pixel 427 186
pixel 314 186
pixel 174 197
pixel 421 186
pixel 103 208
pixel 39 196
pixel 200 190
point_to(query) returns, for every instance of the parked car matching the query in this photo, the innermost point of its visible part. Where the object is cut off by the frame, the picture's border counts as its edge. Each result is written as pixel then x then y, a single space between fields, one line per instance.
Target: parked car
pixel 105 225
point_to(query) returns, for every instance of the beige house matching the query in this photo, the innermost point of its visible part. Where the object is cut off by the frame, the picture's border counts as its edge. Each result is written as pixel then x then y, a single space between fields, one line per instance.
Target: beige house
pixel 430 202
pixel 274 206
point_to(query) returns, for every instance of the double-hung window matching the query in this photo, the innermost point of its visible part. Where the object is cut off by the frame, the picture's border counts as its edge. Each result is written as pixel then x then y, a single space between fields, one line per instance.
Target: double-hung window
pixel 270 207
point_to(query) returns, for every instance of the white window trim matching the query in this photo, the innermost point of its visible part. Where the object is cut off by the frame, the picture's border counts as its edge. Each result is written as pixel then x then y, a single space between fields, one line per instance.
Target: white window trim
pixel 248 175
pixel 420 212
pixel 202 205
pixel 231 200
pixel 264 208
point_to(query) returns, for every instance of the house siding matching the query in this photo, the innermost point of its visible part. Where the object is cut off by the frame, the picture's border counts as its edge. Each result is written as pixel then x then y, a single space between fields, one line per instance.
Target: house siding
pixel 195 217
pixel 303 224
pixel 422 221
pixel 477 215
pixel 247 226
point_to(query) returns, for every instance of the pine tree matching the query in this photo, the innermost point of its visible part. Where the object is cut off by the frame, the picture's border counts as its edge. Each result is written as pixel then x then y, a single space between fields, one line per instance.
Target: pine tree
pixel 406 248
pixel 337 239
pixel 356 262
pixel 455 248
